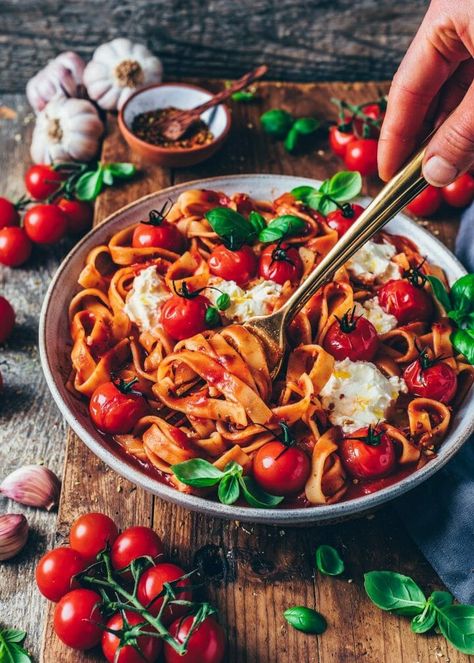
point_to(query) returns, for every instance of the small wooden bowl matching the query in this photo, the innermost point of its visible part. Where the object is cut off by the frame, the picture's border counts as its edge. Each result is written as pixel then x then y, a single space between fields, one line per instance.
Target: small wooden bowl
pixel 182 96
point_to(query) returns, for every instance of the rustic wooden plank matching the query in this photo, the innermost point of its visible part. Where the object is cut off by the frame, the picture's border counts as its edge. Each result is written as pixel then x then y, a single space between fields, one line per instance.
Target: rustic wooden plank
pixel 314 40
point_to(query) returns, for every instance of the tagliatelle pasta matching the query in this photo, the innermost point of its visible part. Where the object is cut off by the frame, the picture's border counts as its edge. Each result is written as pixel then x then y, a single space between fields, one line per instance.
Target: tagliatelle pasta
pixel 354 395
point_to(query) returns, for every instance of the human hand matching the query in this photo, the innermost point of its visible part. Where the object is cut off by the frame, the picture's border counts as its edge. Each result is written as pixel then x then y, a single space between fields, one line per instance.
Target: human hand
pixel 434 80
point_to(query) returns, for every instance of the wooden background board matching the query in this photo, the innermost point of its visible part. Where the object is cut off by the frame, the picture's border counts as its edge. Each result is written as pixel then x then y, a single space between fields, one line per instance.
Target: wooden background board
pixel 311 40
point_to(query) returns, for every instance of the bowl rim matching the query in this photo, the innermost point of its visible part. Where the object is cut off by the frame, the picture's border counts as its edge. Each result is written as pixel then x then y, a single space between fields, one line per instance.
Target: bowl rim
pixel 157 149
pixel 294 516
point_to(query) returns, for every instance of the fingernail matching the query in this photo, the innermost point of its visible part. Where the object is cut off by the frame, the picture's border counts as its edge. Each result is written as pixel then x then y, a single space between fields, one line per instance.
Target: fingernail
pixel 439 172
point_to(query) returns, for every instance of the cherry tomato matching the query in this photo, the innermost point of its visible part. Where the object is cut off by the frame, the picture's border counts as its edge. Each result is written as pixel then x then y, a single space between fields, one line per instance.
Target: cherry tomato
pixel 367 453
pixel 135 542
pixel 239 265
pixel 431 378
pixel 280 263
pixel 42 181
pixel 150 647
pixel 56 570
pixel 184 316
pixel 79 215
pixel 91 533
pixel 7 319
pixel 427 202
pixel 45 224
pixel 374 112
pixel 151 584
pixel 159 235
pixel 15 246
pixel 339 140
pixel 361 155
pixel 77 619
pixel 353 337
pixel 206 644
pixel 280 469
pixel 342 219
pixel 9 215
pixel 115 408
pixel 405 301
pixel 459 193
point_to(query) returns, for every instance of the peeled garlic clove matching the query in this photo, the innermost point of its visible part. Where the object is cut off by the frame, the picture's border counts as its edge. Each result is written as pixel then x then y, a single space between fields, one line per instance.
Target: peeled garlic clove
pixel 33 485
pixel 13 534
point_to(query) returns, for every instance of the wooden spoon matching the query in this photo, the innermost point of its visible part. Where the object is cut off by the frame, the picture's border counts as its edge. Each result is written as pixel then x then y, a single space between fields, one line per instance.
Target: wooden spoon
pixel 176 126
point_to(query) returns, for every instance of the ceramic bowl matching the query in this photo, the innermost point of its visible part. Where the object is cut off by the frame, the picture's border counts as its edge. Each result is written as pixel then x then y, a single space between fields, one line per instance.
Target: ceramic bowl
pixel 55 347
pixel 182 96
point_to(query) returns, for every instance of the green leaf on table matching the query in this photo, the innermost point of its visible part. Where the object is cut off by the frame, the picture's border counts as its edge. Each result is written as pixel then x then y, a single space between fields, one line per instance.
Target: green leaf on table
pixel 305 619
pixel 11 647
pixel 229 489
pixel 89 185
pixel 394 592
pixel 231 226
pixel 122 171
pixel 256 496
pixel 456 623
pixel 463 342
pixel 276 122
pixel 328 561
pixel 291 140
pixel 440 292
pixel 425 620
pixel 306 125
pixel 441 599
pixel 107 177
pixel 344 186
pixel 283 226
pixel 197 472
pixel 462 294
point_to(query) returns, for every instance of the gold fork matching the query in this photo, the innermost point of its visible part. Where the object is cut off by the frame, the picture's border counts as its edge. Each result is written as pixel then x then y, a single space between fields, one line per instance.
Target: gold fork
pixel 396 194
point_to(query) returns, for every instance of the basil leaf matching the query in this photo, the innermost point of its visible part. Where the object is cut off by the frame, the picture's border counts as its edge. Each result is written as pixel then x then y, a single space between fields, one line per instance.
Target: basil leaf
pixel 257 497
pixel 223 301
pixel 462 293
pixel 306 125
pixel 456 623
pixel 326 205
pixel 257 221
pixel 425 621
pixel 108 177
pixel 13 635
pixel 281 227
pixel 394 592
pixel 230 225
pixel 328 561
pixel 212 317
pixel 229 489
pixel 276 122
pixel 302 192
pixel 441 599
pixel 291 140
pixel 233 468
pixel 305 619
pixel 243 95
pixel 121 170
pixel 89 185
pixel 440 292
pixel 463 342
pixel 345 185
pixel 197 472
pixel 314 199
pixel 11 649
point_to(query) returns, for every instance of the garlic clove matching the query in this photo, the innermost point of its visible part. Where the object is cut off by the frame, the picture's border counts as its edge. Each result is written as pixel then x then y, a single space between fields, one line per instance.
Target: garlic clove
pixel 13 534
pixel 33 485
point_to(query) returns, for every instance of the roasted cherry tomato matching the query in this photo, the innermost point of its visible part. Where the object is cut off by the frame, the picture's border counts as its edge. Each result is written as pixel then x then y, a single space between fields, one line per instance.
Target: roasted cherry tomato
pixel 42 181
pixel 405 301
pixel 15 246
pixel 367 453
pixel 431 378
pixel 45 224
pixel 7 319
pixel 353 337
pixel 9 215
pixel 79 215
pixel 115 408
pixel 150 647
pixel 183 316
pixel 151 584
pixel 427 202
pixel 361 155
pixel 56 570
pixel 239 265
pixel 206 644
pixel 339 140
pixel 342 219
pixel 135 542
pixel 459 193
pixel 78 620
pixel 91 533
pixel 158 233
pixel 280 467
pixel 280 263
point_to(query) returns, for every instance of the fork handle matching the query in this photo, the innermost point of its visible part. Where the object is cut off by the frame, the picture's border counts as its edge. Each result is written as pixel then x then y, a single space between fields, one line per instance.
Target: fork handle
pixel 395 195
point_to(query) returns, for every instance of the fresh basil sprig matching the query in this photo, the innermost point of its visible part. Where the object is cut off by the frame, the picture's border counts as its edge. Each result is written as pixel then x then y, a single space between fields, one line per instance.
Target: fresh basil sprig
pixel 283 226
pixel 328 561
pixel 230 482
pixel 91 183
pixel 333 192
pixel 281 124
pixel 394 592
pixel 305 619
pixel 11 646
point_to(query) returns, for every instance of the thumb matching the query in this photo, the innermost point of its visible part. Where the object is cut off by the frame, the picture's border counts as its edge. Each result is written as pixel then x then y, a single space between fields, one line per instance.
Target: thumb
pixel 451 151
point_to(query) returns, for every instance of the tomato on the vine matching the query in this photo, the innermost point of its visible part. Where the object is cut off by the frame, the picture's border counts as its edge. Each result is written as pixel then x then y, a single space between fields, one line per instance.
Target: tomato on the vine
pixel 149 646
pixel 206 644
pixel 79 214
pixel 135 542
pixel 78 620
pixel 9 215
pixel 427 202
pixel 367 453
pixel 239 265
pixel 407 302
pixel 15 246
pixel 431 378
pixel 280 263
pixel 56 570
pixel 91 533
pixel 353 337
pixel 184 315
pixel 361 155
pixel 158 233
pixel 115 408
pixel 42 181
pixel 7 319
pixel 151 584
pixel 342 219
pixel 45 224
pixel 339 140
pixel 459 193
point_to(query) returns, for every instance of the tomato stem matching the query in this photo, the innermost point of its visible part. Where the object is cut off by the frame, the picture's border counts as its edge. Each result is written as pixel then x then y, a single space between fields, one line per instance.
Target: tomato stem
pixel 157 217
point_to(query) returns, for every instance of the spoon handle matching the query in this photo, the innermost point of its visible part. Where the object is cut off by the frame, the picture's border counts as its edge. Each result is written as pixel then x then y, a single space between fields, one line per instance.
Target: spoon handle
pixel 395 195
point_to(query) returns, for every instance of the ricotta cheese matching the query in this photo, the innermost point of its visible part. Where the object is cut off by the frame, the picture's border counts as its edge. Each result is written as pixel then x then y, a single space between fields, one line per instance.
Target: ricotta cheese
pixel 357 394
pixel 245 304
pixel 373 263
pixel 145 298
pixel 371 309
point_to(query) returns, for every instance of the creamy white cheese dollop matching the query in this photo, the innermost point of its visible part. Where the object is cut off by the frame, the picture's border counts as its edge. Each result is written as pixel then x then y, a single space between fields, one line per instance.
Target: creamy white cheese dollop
pixel 245 304
pixel 357 394
pixel 373 263
pixel 143 302
pixel 371 309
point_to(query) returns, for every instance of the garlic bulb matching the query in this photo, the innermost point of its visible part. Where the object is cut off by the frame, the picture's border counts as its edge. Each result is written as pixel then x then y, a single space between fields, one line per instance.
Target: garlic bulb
pixel 117 69
pixel 33 485
pixel 62 77
pixel 13 534
pixel 66 130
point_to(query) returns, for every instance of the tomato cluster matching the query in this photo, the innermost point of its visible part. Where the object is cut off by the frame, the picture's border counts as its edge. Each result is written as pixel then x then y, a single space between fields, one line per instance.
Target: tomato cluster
pixel 459 193
pixel 86 612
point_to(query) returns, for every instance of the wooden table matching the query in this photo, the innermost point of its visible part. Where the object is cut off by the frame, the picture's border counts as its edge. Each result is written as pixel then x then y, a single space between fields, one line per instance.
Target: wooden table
pixel 254 573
